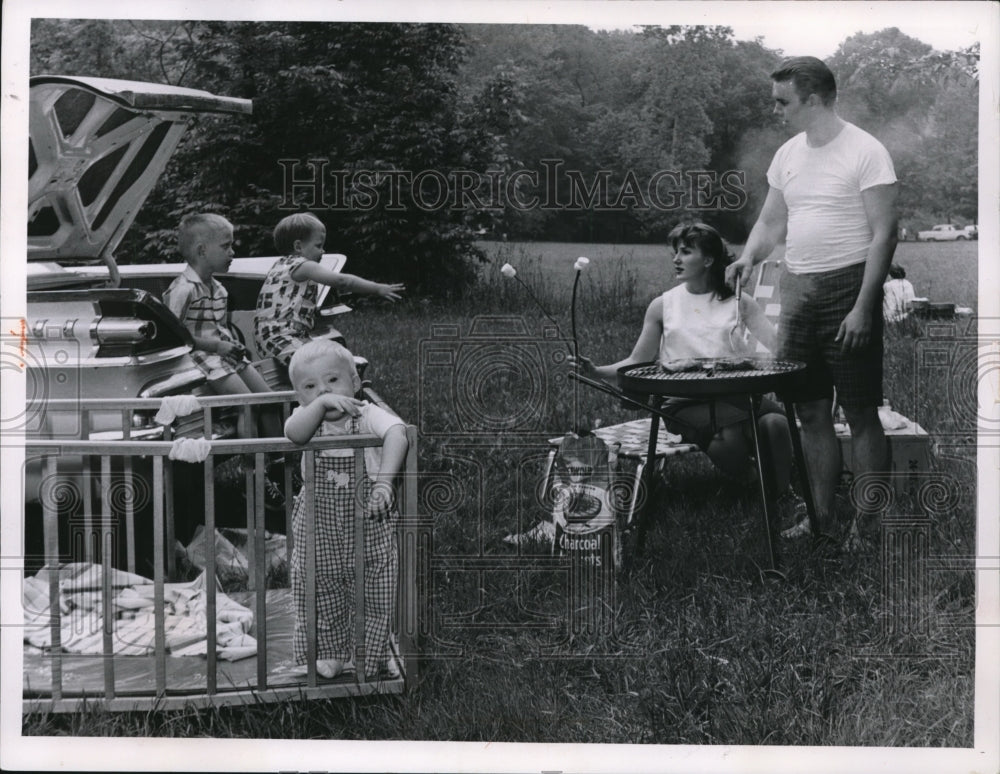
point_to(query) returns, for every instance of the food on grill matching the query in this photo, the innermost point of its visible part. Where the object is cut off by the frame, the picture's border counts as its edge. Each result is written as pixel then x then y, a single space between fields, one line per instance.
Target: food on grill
pixel 735 364
pixel 710 365
pixel 680 366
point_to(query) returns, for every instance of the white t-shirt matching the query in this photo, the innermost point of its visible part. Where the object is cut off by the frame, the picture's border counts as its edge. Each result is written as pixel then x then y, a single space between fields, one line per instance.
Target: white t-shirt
pixel 827 225
pixel 895 302
pixel 697 325
pixel 373 420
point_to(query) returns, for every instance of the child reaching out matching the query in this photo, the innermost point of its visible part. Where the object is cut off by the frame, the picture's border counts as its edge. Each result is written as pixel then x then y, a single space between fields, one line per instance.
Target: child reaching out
pixel 323 375
pixel 694 320
pixel 200 302
pixel 286 305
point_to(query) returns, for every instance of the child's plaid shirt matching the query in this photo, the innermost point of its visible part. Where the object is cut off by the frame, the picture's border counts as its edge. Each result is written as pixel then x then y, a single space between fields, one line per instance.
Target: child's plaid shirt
pixel 204 311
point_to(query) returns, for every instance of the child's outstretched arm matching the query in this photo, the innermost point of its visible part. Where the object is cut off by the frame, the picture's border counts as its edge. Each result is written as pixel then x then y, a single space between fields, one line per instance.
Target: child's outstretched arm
pixel 302 425
pixel 394 447
pixel 309 270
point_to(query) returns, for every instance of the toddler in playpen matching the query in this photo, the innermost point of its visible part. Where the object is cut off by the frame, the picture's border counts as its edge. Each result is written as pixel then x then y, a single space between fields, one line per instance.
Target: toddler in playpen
pixel 326 383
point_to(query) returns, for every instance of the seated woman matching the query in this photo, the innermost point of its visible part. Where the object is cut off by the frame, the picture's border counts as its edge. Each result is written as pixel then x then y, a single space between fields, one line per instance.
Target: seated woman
pixel 897 295
pixel 695 320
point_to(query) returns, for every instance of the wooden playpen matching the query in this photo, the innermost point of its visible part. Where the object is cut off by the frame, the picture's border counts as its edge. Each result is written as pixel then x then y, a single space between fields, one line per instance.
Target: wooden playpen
pixel 119 520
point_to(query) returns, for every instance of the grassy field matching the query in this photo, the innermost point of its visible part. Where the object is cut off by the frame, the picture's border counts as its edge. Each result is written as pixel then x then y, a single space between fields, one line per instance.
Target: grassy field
pixel 697 647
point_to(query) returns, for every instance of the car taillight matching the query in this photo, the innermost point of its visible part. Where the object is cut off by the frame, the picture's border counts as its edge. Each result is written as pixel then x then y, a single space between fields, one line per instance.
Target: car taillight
pixel 123 330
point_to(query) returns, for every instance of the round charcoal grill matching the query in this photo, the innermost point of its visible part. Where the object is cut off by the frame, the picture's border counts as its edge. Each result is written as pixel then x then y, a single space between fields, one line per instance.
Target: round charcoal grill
pixel 711 377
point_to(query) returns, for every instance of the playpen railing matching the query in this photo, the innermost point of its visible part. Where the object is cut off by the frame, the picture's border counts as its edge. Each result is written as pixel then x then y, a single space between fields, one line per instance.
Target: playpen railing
pixel 103 465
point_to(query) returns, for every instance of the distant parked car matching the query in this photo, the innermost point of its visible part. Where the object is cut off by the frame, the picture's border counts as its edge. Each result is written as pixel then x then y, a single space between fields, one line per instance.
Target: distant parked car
pixel 945 232
pixel 972 231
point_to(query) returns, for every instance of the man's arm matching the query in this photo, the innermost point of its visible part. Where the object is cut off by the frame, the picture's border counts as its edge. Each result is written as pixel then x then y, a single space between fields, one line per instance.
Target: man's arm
pixel 767 233
pixel 880 208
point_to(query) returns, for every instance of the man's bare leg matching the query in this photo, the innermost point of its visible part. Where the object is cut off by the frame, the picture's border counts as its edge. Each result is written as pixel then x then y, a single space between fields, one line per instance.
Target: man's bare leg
pixel 868 448
pixel 821 450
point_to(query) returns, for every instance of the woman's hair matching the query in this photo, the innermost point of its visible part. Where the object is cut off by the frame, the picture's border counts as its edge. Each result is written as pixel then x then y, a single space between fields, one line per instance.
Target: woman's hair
pixel 301 225
pixel 317 348
pixel 708 240
pixel 896 271
pixel 810 76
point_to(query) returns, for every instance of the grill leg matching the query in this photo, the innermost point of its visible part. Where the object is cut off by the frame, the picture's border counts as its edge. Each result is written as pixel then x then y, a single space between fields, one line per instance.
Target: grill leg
pixel 644 514
pixel 762 453
pixel 800 461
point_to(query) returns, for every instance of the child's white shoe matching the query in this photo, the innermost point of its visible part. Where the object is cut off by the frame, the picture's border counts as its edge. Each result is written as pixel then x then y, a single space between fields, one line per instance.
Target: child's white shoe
pixel 331 667
pixel 391 668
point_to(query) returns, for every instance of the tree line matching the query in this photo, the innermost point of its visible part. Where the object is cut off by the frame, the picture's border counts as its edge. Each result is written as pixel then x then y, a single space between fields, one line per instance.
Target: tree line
pixel 413 141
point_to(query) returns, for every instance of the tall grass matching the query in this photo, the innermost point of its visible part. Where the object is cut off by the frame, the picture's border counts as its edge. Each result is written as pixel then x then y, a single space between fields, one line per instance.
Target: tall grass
pixel 697 647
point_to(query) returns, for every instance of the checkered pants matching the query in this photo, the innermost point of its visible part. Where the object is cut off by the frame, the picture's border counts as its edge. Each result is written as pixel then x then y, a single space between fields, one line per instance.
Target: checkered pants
pixel 334 546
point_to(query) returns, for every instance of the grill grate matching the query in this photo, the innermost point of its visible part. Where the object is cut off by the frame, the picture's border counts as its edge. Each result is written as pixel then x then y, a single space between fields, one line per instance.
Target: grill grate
pixel 707 372
pixel 714 377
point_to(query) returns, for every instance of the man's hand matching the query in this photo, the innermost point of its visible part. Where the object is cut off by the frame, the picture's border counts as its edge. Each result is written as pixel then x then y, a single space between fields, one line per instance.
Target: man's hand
pixel 739 271
pixel 855 331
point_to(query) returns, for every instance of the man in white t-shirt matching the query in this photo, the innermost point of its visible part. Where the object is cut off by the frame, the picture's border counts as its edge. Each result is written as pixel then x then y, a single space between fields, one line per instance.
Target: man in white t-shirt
pixel 832 200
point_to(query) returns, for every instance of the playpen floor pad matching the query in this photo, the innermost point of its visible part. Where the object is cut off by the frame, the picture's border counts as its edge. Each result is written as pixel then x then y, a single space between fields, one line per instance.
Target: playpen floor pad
pixel 136 675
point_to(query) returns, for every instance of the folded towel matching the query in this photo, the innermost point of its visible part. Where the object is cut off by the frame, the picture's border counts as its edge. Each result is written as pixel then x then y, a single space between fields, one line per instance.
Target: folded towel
pixel 892 420
pixel 174 406
pixel 190 449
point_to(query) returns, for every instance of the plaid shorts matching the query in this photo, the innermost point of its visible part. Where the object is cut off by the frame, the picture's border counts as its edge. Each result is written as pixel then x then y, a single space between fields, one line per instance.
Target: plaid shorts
pixel 812 308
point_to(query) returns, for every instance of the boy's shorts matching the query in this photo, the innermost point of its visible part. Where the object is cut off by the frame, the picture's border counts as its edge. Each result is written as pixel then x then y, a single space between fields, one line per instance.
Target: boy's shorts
pixel 812 308
pixel 279 342
pixel 215 366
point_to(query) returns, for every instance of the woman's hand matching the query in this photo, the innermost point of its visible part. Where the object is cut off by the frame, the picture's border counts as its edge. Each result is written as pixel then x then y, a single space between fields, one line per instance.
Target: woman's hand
pixel 585 366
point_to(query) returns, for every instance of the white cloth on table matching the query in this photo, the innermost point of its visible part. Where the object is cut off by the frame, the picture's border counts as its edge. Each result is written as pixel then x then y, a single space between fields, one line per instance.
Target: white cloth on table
pixel 174 406
pixel 190 450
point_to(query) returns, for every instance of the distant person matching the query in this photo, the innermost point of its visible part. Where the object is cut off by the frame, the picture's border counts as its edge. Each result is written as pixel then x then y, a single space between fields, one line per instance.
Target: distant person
pixel 832 200
pixel 897 295
pixel 694 320
pixel 200 302
pixel 325 381
pixel 286 304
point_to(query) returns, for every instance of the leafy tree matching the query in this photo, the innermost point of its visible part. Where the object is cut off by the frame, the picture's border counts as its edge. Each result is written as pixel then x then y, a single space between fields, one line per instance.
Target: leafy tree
pixel 608 110
pixel 329 96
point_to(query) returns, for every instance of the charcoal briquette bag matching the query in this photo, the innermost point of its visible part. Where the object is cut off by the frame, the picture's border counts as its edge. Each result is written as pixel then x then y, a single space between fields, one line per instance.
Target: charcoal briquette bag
pixel 584 500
